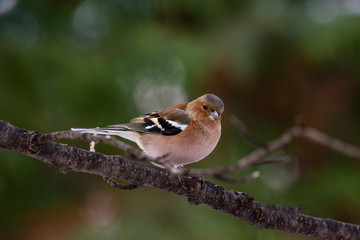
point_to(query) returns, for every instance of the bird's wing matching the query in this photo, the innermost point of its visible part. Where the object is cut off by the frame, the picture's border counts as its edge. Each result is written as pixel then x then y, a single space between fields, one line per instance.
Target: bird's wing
pixel 167 122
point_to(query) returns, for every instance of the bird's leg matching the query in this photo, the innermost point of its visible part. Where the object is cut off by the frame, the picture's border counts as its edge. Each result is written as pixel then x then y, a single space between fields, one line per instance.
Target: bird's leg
pixel 200 178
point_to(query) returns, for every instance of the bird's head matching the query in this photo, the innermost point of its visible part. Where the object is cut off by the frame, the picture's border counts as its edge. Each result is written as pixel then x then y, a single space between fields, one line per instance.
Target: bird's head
pixel 208 106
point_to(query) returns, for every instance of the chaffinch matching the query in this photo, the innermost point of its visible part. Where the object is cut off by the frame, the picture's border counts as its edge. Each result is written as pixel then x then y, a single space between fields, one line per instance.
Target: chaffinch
pixel 184 133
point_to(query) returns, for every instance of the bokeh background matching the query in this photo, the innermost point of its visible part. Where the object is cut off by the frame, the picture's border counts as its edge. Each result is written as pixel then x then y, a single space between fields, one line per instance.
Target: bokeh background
pixel 93 63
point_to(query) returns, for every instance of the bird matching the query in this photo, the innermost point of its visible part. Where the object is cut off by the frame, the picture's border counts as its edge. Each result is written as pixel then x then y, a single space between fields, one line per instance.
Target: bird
pixel 181 134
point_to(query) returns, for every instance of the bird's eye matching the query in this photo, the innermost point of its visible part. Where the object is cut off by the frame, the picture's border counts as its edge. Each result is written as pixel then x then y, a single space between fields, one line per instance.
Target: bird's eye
pixel 205 106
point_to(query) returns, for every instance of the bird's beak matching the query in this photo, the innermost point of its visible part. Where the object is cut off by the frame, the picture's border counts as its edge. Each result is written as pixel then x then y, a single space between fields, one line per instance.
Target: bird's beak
pixel 214 115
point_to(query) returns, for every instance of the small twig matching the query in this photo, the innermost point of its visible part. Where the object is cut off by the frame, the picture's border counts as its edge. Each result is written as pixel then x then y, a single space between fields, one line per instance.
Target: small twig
pixel 274 159
pixel 117 185
pixel 241 127
pixel 92 146
pixel 242 180
pixel 331 142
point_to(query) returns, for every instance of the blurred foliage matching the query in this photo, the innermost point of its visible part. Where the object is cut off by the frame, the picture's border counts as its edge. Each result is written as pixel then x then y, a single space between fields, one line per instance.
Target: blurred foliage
pixel 92 63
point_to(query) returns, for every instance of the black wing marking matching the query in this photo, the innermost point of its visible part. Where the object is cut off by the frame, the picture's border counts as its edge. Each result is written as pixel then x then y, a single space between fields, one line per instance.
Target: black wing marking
pixel 155 123
pixel 168 128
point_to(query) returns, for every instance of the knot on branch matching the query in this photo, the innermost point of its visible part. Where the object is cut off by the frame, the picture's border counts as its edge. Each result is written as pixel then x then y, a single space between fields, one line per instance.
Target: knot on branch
pixel 244 198
pixel 194 187
pixel 36 141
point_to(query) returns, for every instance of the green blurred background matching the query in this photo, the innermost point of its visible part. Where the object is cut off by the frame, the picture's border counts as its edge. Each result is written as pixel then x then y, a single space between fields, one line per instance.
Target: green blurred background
pixel 93 63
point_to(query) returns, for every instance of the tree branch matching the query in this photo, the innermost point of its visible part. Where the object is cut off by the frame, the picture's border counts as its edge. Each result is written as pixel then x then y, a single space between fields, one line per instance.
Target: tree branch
pixel 197 191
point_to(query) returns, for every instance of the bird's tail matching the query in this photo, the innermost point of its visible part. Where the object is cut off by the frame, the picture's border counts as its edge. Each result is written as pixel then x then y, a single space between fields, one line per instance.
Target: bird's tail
pixel 117 131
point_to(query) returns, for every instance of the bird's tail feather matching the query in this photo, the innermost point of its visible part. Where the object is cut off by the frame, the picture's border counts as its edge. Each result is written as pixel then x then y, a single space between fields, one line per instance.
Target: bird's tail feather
pixel 103 131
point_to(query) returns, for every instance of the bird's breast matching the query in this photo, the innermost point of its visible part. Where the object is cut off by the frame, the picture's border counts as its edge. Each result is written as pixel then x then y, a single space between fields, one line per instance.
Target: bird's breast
pixel 184 148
